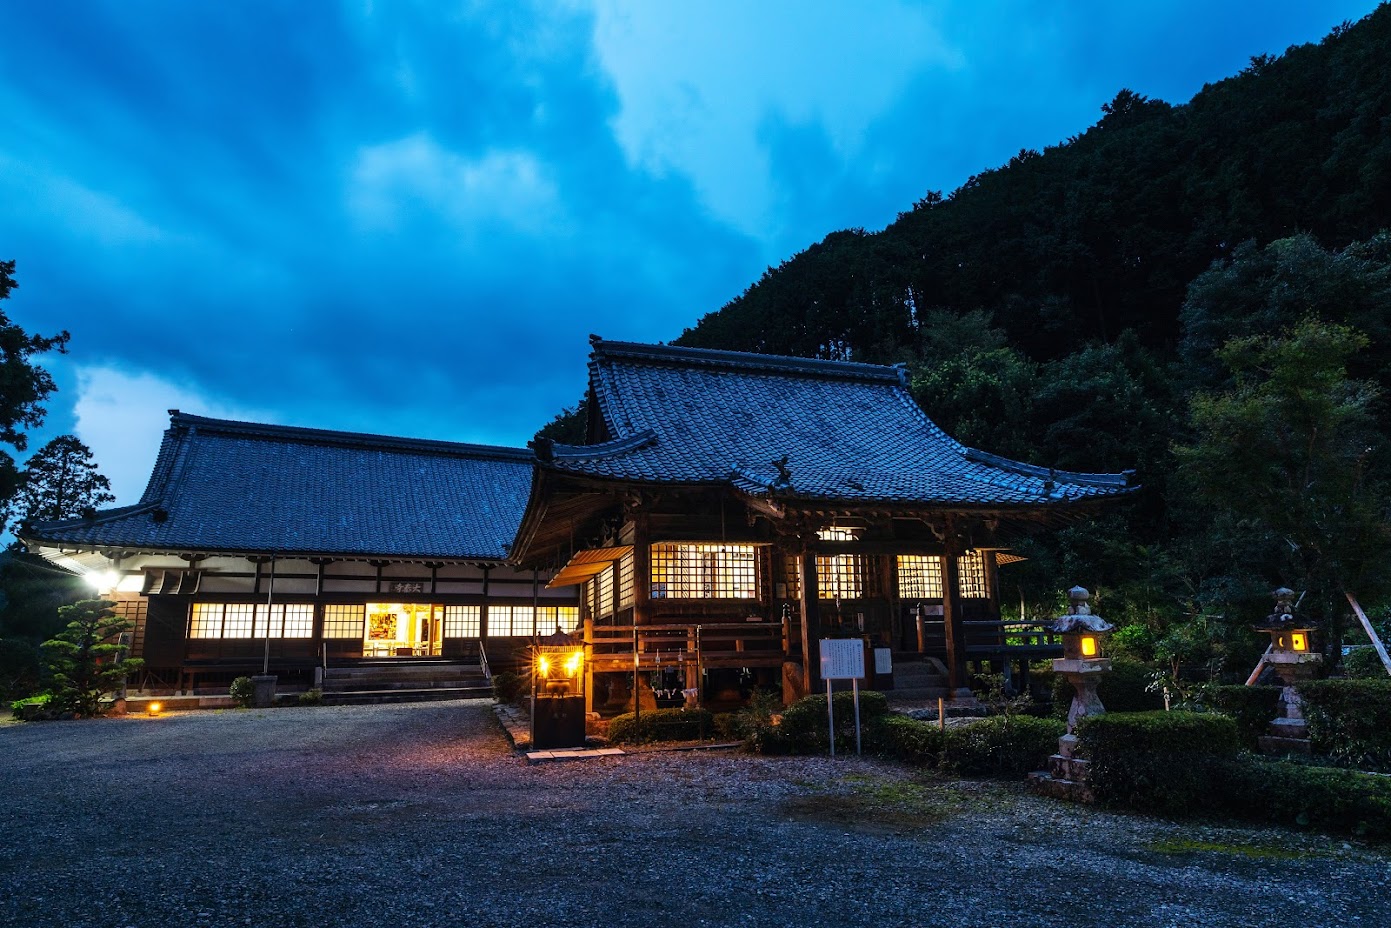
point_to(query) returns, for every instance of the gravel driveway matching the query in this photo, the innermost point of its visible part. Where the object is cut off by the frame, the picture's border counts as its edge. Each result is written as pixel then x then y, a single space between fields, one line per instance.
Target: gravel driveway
pixel 419 815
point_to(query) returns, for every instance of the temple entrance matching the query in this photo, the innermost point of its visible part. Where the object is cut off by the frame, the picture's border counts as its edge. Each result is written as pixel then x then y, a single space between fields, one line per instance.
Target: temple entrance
pixel 403 630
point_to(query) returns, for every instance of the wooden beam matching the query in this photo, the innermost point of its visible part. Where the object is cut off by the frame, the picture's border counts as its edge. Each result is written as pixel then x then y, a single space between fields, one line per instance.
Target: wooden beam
pixel 1371 632
pixel 958 678
pixel 811 618
pixel 642 569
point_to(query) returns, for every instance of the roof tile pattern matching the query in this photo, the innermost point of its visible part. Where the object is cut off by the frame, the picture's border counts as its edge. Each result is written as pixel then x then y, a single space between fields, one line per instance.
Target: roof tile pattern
pixel 232 486
pixel 796 429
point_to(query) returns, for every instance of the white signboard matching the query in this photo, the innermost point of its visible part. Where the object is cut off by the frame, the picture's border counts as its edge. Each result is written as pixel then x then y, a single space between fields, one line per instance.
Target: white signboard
pixel 883 661
pixel 842 658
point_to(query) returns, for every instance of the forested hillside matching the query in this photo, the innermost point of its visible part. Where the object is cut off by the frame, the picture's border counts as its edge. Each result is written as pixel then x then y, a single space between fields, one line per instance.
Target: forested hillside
pixel 1200 292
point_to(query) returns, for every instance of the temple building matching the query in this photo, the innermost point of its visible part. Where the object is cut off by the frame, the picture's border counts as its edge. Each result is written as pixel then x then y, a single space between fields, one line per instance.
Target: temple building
pixel 731 509
pixel 727 512
pixel 265 547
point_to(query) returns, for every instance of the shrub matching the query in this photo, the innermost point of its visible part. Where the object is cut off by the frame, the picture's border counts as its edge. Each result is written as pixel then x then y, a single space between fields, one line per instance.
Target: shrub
pixel 1252 707
pixel 32 708
pixel 804 728
pixel 1124 689
pixel 311 697
pixel 508 686
pixel 1341 801
pixel 908 740
pixel 1350 721
pixel 1158 761
pixel 84 660
pixel 661 725
pixel 1000 746
pixel 1364 663
pixel 242 691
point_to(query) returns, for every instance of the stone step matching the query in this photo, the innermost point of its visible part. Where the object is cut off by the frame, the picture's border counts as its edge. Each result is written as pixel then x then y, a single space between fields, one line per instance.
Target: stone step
pixel 453 683
pixel 1067 790
pixel 1270 744
pixel 372 697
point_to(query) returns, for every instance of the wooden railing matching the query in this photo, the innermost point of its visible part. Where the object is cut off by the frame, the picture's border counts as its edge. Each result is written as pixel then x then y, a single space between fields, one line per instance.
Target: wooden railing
pixel 724 644
pixel 986 638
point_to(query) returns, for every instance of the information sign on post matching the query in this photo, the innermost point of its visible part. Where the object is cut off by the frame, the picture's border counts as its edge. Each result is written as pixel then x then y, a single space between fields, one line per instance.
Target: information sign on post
pixel 842 659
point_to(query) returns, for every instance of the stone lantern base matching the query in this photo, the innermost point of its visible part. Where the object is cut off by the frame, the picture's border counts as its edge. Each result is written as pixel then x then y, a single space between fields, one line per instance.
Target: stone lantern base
pixel 1066 776
pixel 1288 733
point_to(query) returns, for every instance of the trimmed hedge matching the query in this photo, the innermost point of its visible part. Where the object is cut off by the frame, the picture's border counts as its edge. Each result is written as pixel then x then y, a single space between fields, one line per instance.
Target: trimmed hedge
pixel 1324 798
pixel 1007 746
pixel 1157 761
pixel 803 728
pixel 661 725
pixel 1252 707
pixel 1350 721
pixel 1121 690
pixel 508 686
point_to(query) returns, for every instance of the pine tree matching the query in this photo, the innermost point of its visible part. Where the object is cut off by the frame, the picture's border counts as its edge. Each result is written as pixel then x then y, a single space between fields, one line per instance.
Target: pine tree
pixel 85 659
pixel 61 481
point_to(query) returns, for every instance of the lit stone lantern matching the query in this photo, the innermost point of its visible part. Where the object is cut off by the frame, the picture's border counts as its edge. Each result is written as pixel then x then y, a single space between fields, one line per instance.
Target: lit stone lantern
pixel 1082 663
pixel 557 692
pixel 1084 642
pixel 1293 659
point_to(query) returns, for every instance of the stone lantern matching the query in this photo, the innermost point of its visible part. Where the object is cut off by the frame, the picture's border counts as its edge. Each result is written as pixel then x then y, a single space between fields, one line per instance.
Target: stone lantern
pixel 1082 663
pixel 1293 659
pixel 1084 638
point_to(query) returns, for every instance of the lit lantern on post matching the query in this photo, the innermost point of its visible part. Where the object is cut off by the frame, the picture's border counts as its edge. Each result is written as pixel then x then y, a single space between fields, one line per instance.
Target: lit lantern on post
pixel 557 692
pixel 1292 658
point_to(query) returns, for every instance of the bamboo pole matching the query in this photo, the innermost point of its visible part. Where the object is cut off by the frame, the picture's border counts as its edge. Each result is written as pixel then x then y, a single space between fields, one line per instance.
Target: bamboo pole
pixel 1371 632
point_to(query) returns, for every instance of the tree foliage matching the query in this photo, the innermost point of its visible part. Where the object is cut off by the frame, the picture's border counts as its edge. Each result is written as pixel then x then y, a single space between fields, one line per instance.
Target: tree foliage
pixel 1292 447
pixel 86 660
pixel 61 481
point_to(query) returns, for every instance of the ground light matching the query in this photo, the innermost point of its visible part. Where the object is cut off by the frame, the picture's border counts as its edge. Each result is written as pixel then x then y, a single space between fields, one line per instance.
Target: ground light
pixel 153 709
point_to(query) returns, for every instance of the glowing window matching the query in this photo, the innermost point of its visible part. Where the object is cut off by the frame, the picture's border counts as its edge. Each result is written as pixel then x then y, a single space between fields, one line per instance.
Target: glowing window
pixel 704 571
pixel 919 576
pixel 971 576
pixel 510 622
pixel 344 621
pixel 206 621
pixel 462 621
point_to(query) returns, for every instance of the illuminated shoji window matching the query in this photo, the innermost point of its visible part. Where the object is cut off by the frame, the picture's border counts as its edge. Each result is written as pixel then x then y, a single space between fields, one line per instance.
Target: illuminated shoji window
pixel 344 621
pixel 567 618
pixel 603 592
pixel 792 576
pixel 971 576
pixel 248 620
pixel 206 621
pixel 704 571
pixel 919 576
pixel 283 620
pixel 840 576
pixel 511 622
pixel 463 621
pixel 625 581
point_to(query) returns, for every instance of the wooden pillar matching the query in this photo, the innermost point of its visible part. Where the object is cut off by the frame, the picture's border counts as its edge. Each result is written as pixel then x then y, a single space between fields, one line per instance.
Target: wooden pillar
pixel 811 619
pixel 483 607
pixel 642 570
pixel 958 676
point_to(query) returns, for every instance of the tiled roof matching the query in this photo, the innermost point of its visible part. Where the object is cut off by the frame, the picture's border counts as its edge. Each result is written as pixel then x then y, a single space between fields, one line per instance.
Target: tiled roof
pixel 793 428
pixel 240 487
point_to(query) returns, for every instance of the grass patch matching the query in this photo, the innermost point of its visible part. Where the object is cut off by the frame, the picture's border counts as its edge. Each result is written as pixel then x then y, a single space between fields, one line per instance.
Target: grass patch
pixel 1252 851
pixel 874 805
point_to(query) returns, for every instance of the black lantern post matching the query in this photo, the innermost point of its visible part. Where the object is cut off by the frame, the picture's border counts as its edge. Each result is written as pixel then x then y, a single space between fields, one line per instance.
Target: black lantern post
pixel 557 692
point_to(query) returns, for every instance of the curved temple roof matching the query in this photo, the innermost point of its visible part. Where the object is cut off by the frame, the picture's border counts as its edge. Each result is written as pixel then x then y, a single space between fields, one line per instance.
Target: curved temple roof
pixel 793 429
pixel 223 486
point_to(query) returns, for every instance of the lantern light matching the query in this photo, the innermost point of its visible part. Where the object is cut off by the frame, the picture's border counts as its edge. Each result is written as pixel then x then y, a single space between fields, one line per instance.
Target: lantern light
pixel 1089 646
pixel 153 709
pixel 1299 641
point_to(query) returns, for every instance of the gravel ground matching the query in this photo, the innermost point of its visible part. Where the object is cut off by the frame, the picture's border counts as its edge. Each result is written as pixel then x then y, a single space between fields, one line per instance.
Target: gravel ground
pixel 420 815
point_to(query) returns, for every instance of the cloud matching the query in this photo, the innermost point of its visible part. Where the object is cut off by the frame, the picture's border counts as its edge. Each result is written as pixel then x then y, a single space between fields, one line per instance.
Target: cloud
pixel 507 187
pixel 121 415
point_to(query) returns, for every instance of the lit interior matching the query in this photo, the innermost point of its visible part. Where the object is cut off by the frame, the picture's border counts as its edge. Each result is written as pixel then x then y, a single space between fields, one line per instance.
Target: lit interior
pixel 1088 646
pixel 402 630
pixel 1299 642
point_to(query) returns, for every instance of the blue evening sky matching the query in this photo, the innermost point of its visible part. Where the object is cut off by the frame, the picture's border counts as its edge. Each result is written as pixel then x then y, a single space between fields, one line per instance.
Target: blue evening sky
pixel 406 218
